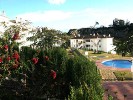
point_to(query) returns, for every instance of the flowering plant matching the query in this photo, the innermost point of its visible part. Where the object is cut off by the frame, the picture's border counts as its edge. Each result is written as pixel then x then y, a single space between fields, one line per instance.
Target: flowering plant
pixel 9 55
pixel 53 74
pixel 47 72
pixel 34 60
pixel 31 68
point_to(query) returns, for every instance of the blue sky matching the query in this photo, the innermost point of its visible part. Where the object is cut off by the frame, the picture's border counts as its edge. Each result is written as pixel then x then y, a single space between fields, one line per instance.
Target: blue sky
pixel 68 14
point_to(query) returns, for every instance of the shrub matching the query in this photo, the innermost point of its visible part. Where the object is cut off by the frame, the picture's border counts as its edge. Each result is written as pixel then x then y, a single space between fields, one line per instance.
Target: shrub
pixel 46 77
pixel 84 93
pixel 79 70
pixel 123 75
pixel 36 73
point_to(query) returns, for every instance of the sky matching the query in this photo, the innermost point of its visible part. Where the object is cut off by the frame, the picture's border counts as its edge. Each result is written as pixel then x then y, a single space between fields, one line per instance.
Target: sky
pixel 68 14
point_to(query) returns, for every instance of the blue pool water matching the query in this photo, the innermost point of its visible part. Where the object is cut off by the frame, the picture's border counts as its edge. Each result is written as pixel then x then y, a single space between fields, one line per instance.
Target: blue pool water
pixel 118 63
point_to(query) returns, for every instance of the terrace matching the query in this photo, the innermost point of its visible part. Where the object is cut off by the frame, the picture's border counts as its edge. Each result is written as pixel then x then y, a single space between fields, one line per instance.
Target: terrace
pixel 116 81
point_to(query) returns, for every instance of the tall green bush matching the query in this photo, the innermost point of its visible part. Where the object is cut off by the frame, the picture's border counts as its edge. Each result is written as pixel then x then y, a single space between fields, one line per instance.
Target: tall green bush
pixel 80 70
pixel 83 93
pixel 39 80
pixel 50 73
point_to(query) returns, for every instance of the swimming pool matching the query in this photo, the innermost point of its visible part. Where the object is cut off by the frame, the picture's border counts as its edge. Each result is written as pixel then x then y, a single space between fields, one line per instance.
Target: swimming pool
pixel 118 63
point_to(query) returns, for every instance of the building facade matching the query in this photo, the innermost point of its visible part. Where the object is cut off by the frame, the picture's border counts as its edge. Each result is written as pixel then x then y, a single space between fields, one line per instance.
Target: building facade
pixel 93 42
pixel 25 28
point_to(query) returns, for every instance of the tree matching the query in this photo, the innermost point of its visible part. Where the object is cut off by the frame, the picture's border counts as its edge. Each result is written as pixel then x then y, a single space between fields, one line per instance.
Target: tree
pixel 47 38
pixel 118 22
pixel 97 23
pixel 43 38
pixel 125 45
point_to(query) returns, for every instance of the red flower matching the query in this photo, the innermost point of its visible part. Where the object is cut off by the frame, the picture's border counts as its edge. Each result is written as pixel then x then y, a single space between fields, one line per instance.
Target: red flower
pixel 6 47
pixel 35 60
pixel 1 60
pixel 16 36
pixel 46 58
pixel 8 58
pixel 15 55
pixel 53 74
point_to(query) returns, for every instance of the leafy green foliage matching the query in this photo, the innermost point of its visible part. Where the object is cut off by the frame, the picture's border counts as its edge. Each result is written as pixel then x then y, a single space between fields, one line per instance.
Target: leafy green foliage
pixel 123 75
pixel 80 70
pixel 45 38
pixel 84 93
pixel 44 72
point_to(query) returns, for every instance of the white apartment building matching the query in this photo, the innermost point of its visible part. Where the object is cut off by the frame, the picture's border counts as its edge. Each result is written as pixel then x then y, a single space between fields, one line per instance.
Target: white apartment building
pixel 93 42
pixel 24 31
pixel 3 20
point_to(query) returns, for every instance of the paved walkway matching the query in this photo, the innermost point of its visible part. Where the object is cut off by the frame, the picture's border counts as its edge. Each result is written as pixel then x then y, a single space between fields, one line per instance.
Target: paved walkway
pixel 107 74
pixel 119 90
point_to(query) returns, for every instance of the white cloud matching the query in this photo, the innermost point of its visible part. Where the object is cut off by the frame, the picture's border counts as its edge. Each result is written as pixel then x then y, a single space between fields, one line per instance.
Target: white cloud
pixel 45 16
pixel 56 1
pixel 63 20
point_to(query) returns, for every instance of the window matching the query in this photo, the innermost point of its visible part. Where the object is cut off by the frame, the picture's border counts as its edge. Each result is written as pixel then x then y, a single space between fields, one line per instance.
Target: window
pixel 87 40
pixel 87 45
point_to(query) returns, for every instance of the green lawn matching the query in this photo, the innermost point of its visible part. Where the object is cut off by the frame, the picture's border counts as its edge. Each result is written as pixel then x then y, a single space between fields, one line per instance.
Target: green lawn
pixel 103 55
pixel 120 75
pixel 123 75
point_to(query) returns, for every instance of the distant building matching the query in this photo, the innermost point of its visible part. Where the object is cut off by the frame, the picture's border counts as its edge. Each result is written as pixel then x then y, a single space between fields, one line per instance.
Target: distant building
pixel 93 42
pixel 3 20
pixel 25 26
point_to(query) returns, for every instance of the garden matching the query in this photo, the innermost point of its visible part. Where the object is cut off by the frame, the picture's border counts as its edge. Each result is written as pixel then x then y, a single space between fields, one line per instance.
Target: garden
pixel 45 73
pixel 121 75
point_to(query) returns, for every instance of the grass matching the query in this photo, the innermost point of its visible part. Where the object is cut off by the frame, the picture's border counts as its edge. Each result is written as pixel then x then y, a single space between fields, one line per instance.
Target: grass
pixel 120 75
pixel 103 55
pixel 123 75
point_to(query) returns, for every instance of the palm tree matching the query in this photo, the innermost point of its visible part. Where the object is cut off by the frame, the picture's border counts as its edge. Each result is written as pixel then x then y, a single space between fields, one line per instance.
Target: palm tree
pixel 96 23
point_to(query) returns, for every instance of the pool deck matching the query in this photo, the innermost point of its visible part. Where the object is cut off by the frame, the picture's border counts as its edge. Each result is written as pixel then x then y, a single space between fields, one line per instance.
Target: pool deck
pixel 101 66
pixel 120 90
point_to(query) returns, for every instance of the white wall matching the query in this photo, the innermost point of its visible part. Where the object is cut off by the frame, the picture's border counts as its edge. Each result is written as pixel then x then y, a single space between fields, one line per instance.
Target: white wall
pixel 104 44
pixel 24 33
pixel 72 43
pixel 107 44
pixel 110 44
pixel 94 43
pixel 76 43
pixel 23 39
pixel 3 19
